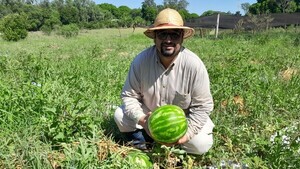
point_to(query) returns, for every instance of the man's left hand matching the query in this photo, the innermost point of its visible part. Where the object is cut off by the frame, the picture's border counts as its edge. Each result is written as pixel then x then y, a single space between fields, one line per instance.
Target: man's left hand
pixel 182 140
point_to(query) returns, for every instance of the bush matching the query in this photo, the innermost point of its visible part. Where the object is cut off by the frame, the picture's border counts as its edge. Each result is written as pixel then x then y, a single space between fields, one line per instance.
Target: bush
pixel 51 24
pixel 13 27
pixel 69 31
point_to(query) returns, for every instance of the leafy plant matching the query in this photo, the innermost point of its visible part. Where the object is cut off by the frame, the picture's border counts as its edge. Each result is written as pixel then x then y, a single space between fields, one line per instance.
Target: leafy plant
pixel 14 27
pixel 64 126
pixel 68 31
pixel 58 96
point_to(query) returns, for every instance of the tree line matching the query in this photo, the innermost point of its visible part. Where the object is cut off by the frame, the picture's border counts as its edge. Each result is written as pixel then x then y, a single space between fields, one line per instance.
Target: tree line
pixel 49 15
pixel 46 14
pixel 273 6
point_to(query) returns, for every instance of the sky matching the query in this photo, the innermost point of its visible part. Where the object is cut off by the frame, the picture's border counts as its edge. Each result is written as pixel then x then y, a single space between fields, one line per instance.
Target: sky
pixel 195 6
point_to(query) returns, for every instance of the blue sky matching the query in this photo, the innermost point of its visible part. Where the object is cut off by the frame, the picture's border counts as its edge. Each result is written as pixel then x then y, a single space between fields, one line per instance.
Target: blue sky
pixel 195 6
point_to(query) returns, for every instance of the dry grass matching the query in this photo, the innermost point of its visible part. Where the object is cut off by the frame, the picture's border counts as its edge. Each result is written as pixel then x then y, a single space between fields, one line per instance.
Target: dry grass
pixel 288 73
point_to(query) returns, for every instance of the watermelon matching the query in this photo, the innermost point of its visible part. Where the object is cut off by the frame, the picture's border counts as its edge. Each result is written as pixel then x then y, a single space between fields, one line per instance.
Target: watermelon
pixel 167 124
pixel 139 160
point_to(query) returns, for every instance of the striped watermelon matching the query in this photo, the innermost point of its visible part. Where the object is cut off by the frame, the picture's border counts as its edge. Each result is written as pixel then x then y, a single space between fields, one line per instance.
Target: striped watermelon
pixel 167 124
pixel 139 160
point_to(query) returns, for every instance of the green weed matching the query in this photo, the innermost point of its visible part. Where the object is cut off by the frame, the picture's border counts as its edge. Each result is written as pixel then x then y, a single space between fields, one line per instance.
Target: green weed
pixel 57 98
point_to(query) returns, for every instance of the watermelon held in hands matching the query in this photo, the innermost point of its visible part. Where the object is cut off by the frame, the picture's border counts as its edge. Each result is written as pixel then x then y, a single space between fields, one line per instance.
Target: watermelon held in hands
pixel 167 124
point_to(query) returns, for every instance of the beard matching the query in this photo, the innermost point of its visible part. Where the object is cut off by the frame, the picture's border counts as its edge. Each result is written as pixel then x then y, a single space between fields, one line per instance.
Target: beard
pixel 168 49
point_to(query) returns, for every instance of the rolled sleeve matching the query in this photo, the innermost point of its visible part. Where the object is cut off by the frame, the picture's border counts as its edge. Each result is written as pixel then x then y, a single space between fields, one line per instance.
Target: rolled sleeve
pixel 131 95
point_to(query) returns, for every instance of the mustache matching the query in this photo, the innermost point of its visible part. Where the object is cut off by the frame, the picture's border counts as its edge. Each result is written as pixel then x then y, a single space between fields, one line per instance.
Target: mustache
pixel 168 44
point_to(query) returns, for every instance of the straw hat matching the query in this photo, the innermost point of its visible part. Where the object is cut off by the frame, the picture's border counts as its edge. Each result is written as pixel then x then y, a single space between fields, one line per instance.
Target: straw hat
pixel 169 19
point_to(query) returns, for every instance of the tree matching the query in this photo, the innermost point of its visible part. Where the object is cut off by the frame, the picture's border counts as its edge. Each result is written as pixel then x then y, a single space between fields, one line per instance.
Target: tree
pixel 4 10
pixel 57 4
pixel 45 4
pixel 51 21
pixel 264 7
pixel 34 16
pixel 106 14
pixel 237 13
pixel 184 14
pixel 69 14
pixel 124 10
pixel 45 15
pixel 149 11
pixel 149 3
pixel 191 16
pixel 149 14
pixel 126 20
pixel 209 13
pixel 274 6
pixel 14 27
pixel 112 9
pixel 260 22
pixel 82 7
pixel 287 6
pixel 176 4
pixel 245 7
pixel 136 13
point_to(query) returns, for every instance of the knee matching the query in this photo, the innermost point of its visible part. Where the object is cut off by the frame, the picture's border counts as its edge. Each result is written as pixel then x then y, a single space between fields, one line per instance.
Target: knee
pixel 204 146
pixel 118 115
pixel 199 144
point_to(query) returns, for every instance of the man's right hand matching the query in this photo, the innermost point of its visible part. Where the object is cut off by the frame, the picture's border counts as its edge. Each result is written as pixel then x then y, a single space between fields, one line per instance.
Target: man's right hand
pixel 144 122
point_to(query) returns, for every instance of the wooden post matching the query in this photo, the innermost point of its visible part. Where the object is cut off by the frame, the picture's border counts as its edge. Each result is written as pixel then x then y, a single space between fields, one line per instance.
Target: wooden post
pixel 217 26
pixel 201 32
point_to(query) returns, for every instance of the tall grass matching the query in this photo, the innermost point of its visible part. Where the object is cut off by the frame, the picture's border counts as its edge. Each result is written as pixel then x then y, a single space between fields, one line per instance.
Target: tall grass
pixel 57 97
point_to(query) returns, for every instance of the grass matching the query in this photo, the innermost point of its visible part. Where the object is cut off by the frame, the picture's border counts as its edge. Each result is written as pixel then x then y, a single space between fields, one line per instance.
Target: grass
pixel 57 97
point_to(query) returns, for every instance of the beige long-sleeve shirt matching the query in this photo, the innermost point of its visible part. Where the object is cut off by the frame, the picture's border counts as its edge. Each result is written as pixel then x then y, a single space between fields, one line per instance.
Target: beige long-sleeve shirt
pixel 184 83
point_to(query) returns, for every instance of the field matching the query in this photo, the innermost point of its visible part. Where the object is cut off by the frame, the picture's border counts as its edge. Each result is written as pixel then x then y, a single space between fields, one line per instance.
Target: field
pixel 57 97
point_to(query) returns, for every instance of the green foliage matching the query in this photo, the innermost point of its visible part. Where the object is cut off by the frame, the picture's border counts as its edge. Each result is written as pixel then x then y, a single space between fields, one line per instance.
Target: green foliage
pixel 34 15
pixel 285 142
pixel 68 31
pixel 58 95
pixel 177 4
pixel 14 27
pixel 149 14
pixel 271 6
pixel 169 157
pixel 51 21
pixel 69 15
pixel 64 127
pixel 46 15
pixel 51 24
pixel 211 12
pixel 82 154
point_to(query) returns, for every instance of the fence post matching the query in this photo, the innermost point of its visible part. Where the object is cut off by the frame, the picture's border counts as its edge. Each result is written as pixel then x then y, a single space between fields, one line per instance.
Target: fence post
pixel 217 26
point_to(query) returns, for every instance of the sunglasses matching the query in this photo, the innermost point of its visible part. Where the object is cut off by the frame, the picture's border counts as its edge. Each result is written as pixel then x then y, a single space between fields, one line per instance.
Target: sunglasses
pixel 173 35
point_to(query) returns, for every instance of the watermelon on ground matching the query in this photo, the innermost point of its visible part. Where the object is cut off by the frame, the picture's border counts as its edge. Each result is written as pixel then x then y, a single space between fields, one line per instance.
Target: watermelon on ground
pixel 139 160
pixel 167 124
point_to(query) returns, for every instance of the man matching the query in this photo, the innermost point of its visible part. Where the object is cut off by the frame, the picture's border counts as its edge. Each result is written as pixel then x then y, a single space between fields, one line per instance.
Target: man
pixel 167 73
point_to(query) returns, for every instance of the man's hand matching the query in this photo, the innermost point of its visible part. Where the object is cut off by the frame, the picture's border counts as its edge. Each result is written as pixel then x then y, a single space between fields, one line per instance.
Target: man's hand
pixel 182 140
pixel 144 122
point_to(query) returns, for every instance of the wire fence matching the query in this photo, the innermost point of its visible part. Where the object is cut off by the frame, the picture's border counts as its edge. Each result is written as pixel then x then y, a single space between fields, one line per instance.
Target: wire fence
pixel 246 22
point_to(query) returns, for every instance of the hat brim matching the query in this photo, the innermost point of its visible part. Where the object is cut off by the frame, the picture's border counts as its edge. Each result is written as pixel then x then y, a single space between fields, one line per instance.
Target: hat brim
pixel 188 32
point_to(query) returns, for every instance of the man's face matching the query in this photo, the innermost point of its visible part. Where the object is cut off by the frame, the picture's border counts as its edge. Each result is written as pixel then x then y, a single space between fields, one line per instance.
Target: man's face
pixel 168 42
